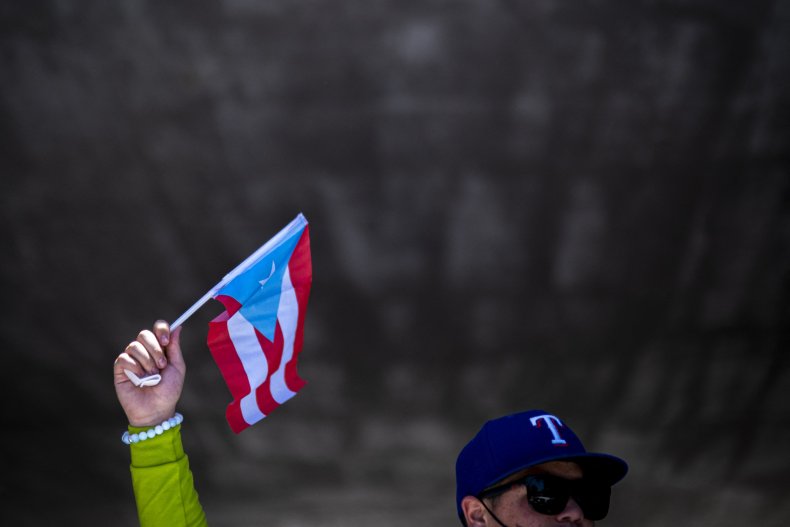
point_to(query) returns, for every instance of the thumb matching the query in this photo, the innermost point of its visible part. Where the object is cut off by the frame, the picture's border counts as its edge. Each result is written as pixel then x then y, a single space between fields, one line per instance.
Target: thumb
pixel 174 355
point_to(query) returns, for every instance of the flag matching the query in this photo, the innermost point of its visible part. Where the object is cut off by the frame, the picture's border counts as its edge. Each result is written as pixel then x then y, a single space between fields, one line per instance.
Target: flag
pixel 256 340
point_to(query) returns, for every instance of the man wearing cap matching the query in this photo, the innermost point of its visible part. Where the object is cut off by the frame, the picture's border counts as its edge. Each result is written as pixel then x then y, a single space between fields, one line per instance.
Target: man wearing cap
pixel 529 470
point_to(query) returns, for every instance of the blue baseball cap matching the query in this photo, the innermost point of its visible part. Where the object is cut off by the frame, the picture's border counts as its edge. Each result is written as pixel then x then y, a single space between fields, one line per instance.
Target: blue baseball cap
pixel 512 443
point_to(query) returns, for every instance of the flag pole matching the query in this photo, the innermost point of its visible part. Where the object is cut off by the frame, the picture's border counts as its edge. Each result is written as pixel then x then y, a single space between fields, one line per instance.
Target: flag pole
pixel 297 223
pixel 189 312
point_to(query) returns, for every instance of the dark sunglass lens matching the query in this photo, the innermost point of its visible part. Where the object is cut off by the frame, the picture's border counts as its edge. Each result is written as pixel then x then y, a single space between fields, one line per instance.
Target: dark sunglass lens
pixel 593 500
pixel 546 495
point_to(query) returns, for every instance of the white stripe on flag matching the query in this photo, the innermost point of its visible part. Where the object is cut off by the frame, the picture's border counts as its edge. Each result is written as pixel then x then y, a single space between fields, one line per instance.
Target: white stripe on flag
pixel 288 316
pixel 242 334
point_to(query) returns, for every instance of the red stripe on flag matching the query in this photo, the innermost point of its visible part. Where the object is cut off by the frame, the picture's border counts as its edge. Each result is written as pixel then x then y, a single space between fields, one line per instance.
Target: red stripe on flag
pixel 274 354
pixel 224 353
pixel 231 304
pixel 234 417
pixel 301 271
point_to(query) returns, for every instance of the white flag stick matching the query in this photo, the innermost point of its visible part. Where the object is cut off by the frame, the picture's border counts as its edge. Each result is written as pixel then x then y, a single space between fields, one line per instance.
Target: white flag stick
pixel 189 312
pixel 297 223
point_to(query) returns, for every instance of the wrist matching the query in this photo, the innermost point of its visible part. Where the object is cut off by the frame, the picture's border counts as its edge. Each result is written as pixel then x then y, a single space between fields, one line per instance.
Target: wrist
pixel 160 449
pixel 142 434
pixel 154 419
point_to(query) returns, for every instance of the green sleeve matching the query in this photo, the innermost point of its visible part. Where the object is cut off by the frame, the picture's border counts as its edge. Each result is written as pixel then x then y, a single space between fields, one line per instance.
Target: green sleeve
pixel 163 486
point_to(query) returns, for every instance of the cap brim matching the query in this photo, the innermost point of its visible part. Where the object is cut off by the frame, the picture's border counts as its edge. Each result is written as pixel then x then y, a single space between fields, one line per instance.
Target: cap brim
pixel 605 468
pixel 602 467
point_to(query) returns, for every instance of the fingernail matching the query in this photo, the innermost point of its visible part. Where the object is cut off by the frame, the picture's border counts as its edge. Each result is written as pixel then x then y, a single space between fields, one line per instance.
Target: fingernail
pixel 162 362
pixel 164 340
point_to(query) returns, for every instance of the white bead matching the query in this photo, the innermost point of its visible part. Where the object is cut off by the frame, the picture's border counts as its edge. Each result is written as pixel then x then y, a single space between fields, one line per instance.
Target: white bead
pixel 153 432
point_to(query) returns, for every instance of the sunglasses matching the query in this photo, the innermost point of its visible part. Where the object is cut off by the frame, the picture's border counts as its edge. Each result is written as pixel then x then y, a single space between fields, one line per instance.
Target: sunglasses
pixel 549 495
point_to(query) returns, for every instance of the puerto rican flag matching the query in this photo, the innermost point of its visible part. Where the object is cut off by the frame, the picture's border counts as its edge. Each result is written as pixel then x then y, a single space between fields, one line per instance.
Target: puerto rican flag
pixel 257 339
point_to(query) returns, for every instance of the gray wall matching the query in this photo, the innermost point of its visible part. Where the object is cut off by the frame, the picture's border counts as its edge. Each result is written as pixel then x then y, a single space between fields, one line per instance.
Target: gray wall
pixel 578 206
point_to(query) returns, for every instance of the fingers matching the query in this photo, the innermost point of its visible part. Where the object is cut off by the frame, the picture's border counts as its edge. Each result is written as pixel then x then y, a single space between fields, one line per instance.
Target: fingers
pixel 147 350
pixel 162 332
pixel 143 356
pixel 150 352
pixel 174 350
pixel 126 362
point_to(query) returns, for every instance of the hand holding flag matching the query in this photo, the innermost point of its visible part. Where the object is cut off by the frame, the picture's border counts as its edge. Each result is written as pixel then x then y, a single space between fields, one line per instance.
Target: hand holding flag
pixel 154 350
pixel 257 339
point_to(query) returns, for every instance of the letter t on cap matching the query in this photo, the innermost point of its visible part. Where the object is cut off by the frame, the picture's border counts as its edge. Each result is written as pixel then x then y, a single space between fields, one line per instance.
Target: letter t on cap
pixel 550 420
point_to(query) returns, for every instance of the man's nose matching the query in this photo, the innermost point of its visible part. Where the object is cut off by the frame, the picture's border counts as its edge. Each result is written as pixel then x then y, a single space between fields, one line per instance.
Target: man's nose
pixel 572 513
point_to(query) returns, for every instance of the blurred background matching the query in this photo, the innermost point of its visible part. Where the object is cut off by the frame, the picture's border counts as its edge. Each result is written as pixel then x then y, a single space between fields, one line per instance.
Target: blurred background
pixel 580 206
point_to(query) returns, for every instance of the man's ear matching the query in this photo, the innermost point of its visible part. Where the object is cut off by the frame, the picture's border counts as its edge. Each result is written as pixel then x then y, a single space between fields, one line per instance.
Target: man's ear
pixel 474 511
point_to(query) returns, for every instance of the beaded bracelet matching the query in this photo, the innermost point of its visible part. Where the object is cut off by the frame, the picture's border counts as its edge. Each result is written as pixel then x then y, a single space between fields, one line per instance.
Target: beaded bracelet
pixel 151 432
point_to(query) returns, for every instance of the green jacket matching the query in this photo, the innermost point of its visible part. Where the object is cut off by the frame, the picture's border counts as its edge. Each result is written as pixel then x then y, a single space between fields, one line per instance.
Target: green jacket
pixel 163 486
